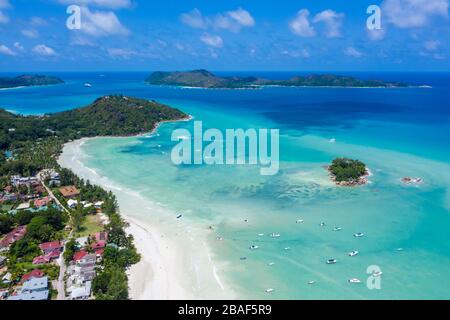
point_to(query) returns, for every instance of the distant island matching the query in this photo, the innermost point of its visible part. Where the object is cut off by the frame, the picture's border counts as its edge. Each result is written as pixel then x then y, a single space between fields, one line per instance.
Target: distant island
pixel 28 81
pixel 206 79
pixel 348 172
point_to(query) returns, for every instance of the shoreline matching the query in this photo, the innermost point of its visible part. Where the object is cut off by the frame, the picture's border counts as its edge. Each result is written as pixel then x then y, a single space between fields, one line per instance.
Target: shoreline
pixel 169 269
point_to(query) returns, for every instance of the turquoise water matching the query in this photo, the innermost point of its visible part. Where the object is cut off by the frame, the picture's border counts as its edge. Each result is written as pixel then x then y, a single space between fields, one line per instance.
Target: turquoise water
pixel 397 132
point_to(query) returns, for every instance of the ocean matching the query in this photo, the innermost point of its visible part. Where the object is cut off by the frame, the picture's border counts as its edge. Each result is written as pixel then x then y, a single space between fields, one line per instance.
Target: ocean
pixel 397 132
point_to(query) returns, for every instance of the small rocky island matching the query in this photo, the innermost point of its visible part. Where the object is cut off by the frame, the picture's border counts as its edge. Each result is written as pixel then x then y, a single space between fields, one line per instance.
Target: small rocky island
pixel 348 172
pixel 208 80
pixel 28 80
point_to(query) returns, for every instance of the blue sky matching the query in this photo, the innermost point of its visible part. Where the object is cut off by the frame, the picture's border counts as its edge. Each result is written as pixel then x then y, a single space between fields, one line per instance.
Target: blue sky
pixel 224 35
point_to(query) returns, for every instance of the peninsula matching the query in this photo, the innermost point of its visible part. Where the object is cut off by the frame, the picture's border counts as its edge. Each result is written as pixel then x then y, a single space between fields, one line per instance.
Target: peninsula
pixel 47 212
pixel 206 79
pixel 28 81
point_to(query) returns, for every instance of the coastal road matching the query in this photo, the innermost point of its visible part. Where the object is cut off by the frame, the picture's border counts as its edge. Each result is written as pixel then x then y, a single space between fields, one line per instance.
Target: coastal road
pixel 62 265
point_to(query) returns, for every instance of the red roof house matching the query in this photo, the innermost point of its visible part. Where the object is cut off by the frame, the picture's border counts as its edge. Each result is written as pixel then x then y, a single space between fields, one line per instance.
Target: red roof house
pixel 13 236
pixel 38 203
pixel 98 245
pixel 49 247
pixel 36 273
pixel 40 260
pixel 79 255
pixel 101 236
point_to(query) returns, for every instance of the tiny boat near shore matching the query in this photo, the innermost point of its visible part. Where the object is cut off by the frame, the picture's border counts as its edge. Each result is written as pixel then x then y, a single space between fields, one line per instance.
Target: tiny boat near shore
pixel 331 261
pixel 377 273
pixel 359 235
pixel 253 247
pixel 179 216
pixel 337 229
pixel 311 282
pixel 87 85
pixel 275 235
pixel 323 224
pixel 353 253
pixel 354 280
pixel 300 221
pixel 270 290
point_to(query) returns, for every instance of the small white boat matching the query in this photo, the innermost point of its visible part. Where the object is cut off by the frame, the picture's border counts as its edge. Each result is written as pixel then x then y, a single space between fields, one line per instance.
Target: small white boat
pixel 331 261
pixel 287 248
pixel 353 253
pixel 246 220
pixel 333 140
pixel 359 235
pixel 300 221
pixel 275 235
pixel 219 239
pixel 260 234
pixel 337 229
pixel 311 282
pixel 400 249
pixel 354 280
pixel 271 264
pixel 323 224
pixel 377 273
pixel 270 290
pixel 253 247
pixel 88 85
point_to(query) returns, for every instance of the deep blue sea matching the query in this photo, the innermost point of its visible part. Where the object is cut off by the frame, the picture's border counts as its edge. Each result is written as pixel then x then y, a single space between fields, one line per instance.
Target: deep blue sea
pixel 396 132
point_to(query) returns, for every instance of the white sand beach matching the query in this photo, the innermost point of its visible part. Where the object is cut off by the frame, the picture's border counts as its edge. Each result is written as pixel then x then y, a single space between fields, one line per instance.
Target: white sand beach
pixel 171 267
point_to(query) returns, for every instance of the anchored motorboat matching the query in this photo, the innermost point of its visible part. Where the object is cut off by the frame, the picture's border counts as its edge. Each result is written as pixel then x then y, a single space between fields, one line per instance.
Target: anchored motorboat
pixel 359 235
pixel 331 261
pixel 300 221
pixel 275 235
pixel 337 229
pixel 253 247
pixel 323 224
pixel 353 253
pixel 354 280
pixel 270 290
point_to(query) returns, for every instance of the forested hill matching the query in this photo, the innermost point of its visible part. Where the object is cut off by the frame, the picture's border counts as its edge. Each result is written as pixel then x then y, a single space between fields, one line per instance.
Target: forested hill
pixel 206 79
pixel 28 80
pixel 107 116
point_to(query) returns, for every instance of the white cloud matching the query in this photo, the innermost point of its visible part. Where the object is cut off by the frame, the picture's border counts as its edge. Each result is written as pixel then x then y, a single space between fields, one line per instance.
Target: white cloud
pixel 352 52
pixel 111 4
pixel 243 17
pixel 19 46
pixel 233 21
pixel 376 34
pixel 332 21
pixel 38 22
pixel 300 24
pixel 101 23
pixel 44 50
pixel 413 13
pixel 122 53
pixel 194 19
pixel 303 53
pixel 432 45
pixel 6 51
pixel 30 33
pixel 212 40
pixel 4 4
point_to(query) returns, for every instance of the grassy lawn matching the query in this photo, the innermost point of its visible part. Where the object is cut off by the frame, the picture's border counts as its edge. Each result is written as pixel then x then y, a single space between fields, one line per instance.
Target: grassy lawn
pixel 91 225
